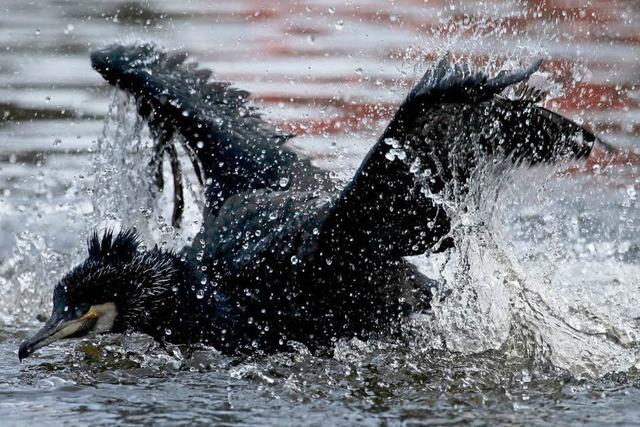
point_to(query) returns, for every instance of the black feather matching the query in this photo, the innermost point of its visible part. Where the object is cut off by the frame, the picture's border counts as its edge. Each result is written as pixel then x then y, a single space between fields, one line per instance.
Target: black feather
pixel 122 246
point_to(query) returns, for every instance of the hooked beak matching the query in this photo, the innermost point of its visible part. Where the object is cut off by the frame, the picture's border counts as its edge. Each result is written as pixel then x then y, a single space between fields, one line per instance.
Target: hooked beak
pixel 59 326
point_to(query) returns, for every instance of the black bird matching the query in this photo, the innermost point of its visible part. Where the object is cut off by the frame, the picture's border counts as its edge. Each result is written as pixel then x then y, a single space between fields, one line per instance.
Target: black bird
pixel 284 253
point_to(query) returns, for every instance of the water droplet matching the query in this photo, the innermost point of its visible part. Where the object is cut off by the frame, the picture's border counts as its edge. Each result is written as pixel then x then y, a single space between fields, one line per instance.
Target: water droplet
pixel 631 192
pixel 332 10
pixel 57 141
pixel 273 215
pixel 632 195
pixel 358 70
pixel 185 113
pixel 395 153
pixel 329 261
pixel 392 142
pixel 294 260
pixel 199 144
pixel 339 25
pixel 37 32
pixel 69 29
pixel 415 166
pixel 167 331
pixel 316 231
pixel 283 182
pixel 200 294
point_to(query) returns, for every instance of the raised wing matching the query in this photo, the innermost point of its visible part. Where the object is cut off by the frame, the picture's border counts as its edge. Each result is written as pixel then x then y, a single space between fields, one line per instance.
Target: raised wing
pixel 452 118
pixel 232 147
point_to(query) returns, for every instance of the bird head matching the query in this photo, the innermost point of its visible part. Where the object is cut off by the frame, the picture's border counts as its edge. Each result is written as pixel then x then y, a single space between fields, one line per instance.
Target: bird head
pixel 98 294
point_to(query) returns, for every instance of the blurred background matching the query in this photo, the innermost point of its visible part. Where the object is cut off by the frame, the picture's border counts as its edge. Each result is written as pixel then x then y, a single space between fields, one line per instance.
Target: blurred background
pixel 332 72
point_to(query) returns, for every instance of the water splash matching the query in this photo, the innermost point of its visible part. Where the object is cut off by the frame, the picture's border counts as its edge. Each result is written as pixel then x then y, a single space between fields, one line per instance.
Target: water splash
pixel 124 195
pixel 517 284
pixel 113 191
pixel 24 277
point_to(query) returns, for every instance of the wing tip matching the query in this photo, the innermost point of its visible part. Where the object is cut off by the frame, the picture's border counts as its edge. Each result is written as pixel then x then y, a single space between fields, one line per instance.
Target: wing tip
pixel 459 81
pixel 116 59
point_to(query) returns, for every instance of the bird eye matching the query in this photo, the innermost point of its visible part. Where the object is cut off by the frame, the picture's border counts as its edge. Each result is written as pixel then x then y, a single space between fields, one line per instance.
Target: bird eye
pixel 82 310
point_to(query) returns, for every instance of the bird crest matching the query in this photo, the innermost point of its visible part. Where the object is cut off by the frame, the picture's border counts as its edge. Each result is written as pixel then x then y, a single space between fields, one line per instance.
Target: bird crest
pixel 121 246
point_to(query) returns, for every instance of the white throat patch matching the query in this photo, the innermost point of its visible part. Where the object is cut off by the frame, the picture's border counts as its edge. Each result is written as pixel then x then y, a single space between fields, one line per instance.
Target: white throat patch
pixel 107 315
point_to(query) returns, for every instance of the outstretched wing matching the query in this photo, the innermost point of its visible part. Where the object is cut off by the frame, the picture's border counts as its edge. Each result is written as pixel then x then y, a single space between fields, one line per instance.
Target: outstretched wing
pixel 232 147
pixel 453 117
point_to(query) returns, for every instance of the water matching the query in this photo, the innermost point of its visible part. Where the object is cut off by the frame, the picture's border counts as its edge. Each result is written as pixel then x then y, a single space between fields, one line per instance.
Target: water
pixel 540 322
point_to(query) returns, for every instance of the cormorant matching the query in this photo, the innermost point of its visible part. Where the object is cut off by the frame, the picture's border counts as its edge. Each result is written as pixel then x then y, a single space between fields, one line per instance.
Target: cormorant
pixel 284 253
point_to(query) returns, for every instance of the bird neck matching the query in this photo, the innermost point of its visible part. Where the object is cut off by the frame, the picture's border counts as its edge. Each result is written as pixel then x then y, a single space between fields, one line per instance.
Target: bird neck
pixel 171 300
